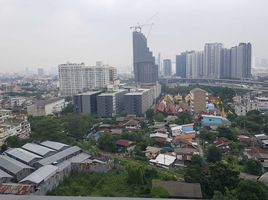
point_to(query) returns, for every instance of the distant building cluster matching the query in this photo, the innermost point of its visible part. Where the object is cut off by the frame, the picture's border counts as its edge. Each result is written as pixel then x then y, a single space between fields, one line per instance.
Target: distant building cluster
pixel 215 62
pixel 39 168
pixel 245 103
pixel 128 100
pixel 13 125
pixel 76 78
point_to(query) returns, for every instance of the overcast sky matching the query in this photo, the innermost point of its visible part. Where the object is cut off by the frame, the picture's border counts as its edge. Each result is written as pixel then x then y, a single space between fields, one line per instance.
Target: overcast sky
pixel 45 33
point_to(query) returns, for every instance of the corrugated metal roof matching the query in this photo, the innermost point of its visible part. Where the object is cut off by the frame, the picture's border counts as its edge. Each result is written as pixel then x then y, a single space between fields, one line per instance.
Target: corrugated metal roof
pixel 22 154
pixel 12 165
pixel 38 149
pixel 41 174
pixel 80 158
pixel 14 188
pixel 59 155
pixel 54 145
pixel 3 174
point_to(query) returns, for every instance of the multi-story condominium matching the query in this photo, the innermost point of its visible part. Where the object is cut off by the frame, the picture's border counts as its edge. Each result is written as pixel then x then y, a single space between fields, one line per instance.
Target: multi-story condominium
pixel 145 69
pixel 198 100
pixel 77 78
pixel 241 61
pixel 138 101
pixel 225 63
pixel 86 102
pixel 181 64
pixel 46 107
pixel 167 66
pixel 212 60
pixel 194 64
pixel 110 103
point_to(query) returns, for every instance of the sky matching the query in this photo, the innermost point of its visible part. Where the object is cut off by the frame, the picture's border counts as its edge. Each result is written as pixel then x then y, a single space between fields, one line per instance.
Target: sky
pixel 45 33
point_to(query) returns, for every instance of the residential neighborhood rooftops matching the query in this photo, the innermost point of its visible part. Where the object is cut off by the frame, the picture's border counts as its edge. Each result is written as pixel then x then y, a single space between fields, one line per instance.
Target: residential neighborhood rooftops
pixel 12 165
pixel 54 145
pixel 163 159
pixel 38 149
pixel 40 174
pixel 22 154
pixel 125 143
pixel 180 189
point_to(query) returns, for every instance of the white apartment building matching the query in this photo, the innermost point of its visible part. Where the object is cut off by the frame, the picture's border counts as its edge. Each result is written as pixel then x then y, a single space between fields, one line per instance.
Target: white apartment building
pixel 76 78
pixel 46 107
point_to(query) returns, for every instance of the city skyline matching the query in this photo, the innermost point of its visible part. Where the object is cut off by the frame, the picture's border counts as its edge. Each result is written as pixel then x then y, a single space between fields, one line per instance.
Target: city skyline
pixel 40 34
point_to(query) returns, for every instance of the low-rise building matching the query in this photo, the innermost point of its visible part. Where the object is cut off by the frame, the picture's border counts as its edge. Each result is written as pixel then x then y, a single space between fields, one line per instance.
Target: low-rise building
pixel 54 145
pixel 39 149
pixel 46 107
pixel 163 160
pixel 125 145
pixel 14 167
pixel 214 121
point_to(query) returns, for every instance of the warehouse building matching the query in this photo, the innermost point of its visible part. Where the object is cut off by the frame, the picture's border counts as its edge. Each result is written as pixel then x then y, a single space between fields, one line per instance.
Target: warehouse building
pixel 5 177
pixel 54 145
pixel 38 149
pixel 59 157
pixel 23 156
pixel 14 167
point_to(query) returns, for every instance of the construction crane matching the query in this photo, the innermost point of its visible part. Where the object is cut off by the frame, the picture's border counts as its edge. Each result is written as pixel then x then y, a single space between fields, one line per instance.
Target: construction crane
pixel 139 27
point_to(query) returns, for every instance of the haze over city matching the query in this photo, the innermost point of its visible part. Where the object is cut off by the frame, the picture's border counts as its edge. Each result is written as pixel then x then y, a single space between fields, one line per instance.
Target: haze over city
pixel 44 34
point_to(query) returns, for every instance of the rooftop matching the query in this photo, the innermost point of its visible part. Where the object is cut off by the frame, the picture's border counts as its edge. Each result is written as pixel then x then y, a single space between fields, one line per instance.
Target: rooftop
pixel 164 159
pixel 41 174
pixel 22 154
pixel 38 149
pixel 12 165
pixel 3 174
pixel 54 145
pixel 60 155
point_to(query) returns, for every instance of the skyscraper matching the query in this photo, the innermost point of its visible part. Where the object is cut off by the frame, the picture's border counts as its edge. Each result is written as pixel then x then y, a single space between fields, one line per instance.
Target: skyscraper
pixel 194 64
pixel 167 66
pixel 145 69
pixel 225 63
pixel 181 64
pixel 212 60
pixel 241 61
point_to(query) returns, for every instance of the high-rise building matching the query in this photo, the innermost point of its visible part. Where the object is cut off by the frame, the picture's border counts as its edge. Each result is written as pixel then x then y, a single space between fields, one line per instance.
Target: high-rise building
pixel 225 63
pixel 241 61
pixel 138 102
pixel 160 69
pixel 110 103
pixel 145 69
pixel 86 102
pixel 194 64
pixel 167 66
pixel 77 78
pixel 212 60
pixel 40 72
pixel 181 64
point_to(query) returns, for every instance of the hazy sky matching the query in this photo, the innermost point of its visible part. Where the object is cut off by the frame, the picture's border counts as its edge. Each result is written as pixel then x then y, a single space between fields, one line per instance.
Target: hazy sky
pixel 45 33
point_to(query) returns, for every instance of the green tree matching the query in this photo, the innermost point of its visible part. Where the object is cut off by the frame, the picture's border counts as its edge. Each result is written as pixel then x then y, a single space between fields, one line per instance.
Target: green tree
pixel 222 175
pixel 253 167
pixel 213 154
pixel 184 118
pixel 14 142
pixel 159 117
pixel 251 190
pixel 150 114
pixel 227 133
pixel 227 196
pixel 106 142
pixel 77 126
pixel 135 175
pixel 68 109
